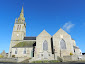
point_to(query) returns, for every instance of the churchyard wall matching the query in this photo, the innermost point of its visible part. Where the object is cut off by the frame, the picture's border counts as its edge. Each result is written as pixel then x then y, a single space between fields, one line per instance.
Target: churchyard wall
pixel 74 58
pixel 8 59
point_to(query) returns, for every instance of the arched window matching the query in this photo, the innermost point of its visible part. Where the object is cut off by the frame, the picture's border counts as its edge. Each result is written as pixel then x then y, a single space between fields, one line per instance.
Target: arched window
pixel 16 51
pixel 45 45
pixel 62 44
pixel 18 27
pixel 24 51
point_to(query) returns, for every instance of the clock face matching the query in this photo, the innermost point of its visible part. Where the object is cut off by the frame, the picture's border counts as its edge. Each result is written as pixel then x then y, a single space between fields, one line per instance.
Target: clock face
pixel 17 35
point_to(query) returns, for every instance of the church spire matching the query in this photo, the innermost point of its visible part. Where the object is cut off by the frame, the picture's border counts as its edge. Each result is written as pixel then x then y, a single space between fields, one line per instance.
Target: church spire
pixel 22 10
pixel 21 18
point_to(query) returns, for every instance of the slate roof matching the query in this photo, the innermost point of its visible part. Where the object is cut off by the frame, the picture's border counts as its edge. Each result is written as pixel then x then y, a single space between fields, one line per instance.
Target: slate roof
pixel 83 53
pixel 72 38
pixel 24 44
pixel 75 47
pixel 29 38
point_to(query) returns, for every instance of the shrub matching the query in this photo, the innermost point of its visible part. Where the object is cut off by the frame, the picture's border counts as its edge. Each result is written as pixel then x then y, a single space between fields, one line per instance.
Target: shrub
pixel 45 61
pixel 33 62
pixel 1 56
pixel 36 62
pixel 30 58
pixel 13 56
pixel 71 53
pixel 60 59
pixel 53 61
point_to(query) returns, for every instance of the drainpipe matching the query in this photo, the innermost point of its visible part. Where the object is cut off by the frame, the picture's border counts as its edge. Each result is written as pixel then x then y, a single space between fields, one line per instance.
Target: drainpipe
pixel 60 52
pixel 54 53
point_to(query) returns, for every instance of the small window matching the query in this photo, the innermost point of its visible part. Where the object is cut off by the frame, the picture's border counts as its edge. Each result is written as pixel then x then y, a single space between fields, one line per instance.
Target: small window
pixel 74 50
pixel 24 51
pixel 18 27
pixel 16 51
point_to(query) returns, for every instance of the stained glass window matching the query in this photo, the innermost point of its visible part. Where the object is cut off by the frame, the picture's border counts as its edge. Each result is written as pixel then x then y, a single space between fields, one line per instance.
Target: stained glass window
pixel 45 45
pixel 62 44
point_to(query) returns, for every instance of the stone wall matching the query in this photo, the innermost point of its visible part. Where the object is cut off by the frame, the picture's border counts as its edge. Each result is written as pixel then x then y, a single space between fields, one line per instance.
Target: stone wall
pixel 40 53
pixel 81 57
pixel 8 59
pixel 78 52
pixel 12 43
pixel 74 58
pixel 67 58
pixel 20 52
pixel 57 37
pixel 20 59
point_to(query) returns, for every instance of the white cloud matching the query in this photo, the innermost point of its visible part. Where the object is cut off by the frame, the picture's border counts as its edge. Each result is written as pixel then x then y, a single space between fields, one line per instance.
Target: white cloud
pixel 67 26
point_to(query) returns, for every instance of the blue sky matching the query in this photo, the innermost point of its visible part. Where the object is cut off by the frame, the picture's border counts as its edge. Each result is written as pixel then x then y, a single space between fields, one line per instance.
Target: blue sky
pixel 50 15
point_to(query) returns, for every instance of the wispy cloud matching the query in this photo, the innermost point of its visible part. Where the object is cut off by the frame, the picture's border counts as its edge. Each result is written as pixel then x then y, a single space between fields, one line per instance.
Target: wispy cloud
pixel 67 26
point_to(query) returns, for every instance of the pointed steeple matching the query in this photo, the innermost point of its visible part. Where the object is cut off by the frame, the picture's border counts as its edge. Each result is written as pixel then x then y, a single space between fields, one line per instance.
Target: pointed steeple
pixel 22 10
pixel 21 18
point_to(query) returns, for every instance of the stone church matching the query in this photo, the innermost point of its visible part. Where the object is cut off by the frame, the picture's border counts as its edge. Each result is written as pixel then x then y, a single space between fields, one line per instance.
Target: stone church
pixel 42 47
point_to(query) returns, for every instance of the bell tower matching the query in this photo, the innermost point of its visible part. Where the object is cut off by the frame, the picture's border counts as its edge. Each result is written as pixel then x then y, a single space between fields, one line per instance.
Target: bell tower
pixel 19 31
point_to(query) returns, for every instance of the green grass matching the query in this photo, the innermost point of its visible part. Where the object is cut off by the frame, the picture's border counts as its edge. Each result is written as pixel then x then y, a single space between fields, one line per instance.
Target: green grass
pixel 46 61
pixel 53 61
